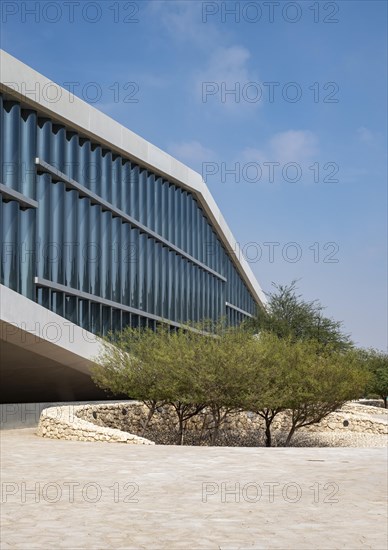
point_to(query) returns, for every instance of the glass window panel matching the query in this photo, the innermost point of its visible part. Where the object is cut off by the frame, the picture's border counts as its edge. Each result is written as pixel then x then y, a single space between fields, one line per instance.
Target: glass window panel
pixel 143 197
pixel 70 206
pixel 43 297
pixel 184 290
pixel 105 255
pixel 26 253
pixel 106 175
pixel 27 152
pixel 11 145
pixel 207 287
pixel 10 260
pixel 151 201
pixel 143 322
pixel 189 292
pixel 171 284
pixel 57 302
pixel 134 192
pixel 71 308
pixel 134 284
pixel 106 319
pixel 202 237
pixel 150 275
pixel 92 251
pixel 116 259
pixel 95 318
pixel 187 224
pixel 116 320
pixel 126 319
pixel 194 234
pixel 170 221
pixel 95 169
pixel 179 218
pixel 55 244
pixel 196 295
pixel 157 278
pixel 143 244
pixel 83 163
pixel 82 247
pixel 125 203
pixel 164 210
pixel 165 283
pixel 212 298
pixel 84 314
pixel 158 205
pixel 210 245
pixel 125 263
pixel 177 288
pixel 116 182
pixel 196 301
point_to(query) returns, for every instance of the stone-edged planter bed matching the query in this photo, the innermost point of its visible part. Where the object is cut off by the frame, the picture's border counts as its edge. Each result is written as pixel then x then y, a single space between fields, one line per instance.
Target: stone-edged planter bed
pixel 355 424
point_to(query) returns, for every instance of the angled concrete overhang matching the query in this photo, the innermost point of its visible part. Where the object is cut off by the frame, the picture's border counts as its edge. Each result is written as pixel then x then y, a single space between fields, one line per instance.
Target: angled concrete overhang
pixel 35 91
pixel 31 326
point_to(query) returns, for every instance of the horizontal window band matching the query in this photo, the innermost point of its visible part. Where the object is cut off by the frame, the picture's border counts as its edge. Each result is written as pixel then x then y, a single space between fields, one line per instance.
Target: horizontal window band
pixel 56 287
pixel 58 176
pixel 238 309
pixel 10 194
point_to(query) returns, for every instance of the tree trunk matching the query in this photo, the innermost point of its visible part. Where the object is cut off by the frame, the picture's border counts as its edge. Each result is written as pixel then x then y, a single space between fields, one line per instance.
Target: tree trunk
pixel 290 434
pixel 181 429
pixel 204 429
pixel 151 412
pixel 216 428
pixel 268 437
pixel 385 399
pixel 216 431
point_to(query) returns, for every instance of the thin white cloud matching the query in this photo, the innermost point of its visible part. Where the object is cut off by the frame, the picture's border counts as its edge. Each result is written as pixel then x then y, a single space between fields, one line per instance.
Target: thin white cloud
pixel 192 153
pixel 184 21
pixel 365 135
pixel 228 81
pixel 225 66
pixel 300 146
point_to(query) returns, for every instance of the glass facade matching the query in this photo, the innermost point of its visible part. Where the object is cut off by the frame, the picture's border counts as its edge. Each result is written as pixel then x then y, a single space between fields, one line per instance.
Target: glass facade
pixel 106 242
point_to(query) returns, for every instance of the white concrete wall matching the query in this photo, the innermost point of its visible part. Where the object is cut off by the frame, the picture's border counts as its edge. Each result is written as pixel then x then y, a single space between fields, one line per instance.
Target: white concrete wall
pixel 33 327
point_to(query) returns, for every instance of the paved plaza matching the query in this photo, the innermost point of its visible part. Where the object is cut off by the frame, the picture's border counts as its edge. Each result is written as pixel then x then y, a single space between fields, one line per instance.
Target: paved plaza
pixel 77 495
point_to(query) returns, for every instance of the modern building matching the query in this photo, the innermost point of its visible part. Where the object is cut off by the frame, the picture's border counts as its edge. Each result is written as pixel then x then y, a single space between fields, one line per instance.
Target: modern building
pixel 100 229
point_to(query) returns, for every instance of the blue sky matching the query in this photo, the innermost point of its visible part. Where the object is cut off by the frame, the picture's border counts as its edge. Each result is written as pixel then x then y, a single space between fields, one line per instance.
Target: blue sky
pixel 326 120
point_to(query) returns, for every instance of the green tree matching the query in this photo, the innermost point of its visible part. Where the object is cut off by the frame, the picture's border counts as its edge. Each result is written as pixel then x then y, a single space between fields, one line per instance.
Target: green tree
pixel 318 383
pixel 299 378
pixel 225 359
pixel 133 363
pixel 186 369
pixel 155 367
pixel 376 363
pixel 264 380
pixel 288 315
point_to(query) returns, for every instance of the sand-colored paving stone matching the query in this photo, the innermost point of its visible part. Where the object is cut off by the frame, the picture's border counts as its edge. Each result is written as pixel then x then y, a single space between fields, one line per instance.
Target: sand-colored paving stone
pixel 165 497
